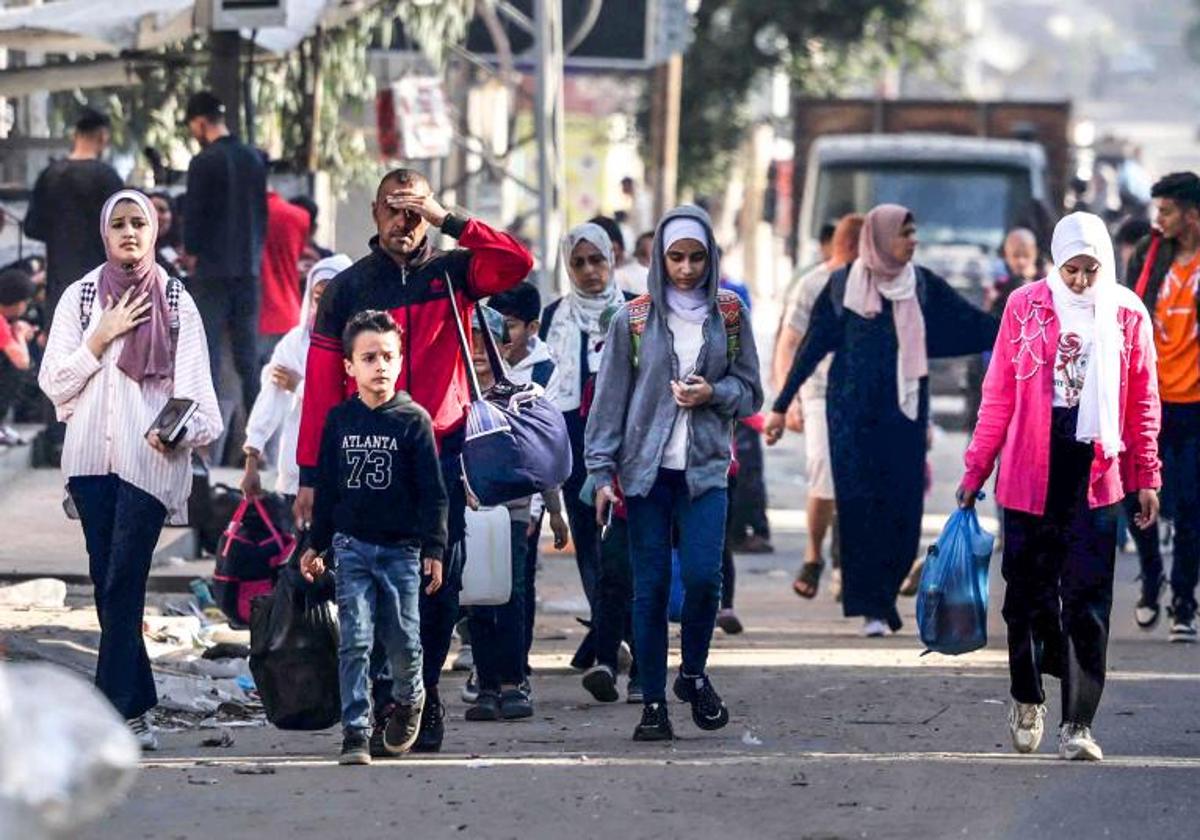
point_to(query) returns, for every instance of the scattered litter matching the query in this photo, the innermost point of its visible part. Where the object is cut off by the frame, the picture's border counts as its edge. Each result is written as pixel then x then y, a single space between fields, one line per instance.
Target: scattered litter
pixel 750 739
pixel 225 650
pixel 39 593
pixel 254 770
pixel 222 741
pixel 187 693
pixel 991 702
pixel 193 781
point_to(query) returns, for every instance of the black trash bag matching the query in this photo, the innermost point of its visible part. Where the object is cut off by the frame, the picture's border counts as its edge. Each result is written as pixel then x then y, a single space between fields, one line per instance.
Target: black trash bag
pixel 294 654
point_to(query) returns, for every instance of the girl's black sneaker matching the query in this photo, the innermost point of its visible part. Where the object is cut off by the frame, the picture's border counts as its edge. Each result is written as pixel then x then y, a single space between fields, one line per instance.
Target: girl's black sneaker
pixel 433 726
pixel 487 707
pixel 708 709
pixel 655 724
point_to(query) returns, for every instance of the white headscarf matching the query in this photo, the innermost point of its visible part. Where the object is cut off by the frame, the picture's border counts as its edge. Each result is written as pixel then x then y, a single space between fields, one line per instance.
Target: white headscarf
pixel 1099 402
pixel 322 271
pixel 580 312
pixel 692 305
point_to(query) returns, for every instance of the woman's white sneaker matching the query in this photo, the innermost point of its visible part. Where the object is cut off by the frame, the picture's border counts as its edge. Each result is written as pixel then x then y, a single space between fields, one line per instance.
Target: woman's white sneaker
pixel 144 732
pixel 1075 743
pixel 1026 722
pixel 873 628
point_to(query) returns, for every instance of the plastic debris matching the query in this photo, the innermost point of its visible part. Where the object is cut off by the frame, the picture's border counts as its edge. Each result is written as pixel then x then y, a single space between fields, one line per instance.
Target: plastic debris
pixel 750 739
pixel 39 593
pixel 65 756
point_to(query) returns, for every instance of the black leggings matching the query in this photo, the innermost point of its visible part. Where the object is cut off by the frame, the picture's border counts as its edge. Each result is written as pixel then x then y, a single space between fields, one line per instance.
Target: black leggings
pixel 1059 568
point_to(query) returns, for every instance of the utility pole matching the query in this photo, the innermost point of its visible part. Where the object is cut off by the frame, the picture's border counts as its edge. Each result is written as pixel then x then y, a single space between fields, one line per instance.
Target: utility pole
pixel 224 74
pixel 548 116
pixel 664 132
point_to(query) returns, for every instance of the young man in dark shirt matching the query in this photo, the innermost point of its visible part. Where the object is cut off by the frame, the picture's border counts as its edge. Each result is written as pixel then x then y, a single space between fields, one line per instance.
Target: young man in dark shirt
pixel 224 228
pixel 380 503
pixel 64 210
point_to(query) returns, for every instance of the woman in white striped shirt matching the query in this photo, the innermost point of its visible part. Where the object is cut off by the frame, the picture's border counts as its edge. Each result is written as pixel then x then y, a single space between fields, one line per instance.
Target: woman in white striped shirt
pixel 124 340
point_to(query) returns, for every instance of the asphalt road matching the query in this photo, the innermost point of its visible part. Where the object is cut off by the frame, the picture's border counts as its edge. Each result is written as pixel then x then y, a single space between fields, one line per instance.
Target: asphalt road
pixel 832 736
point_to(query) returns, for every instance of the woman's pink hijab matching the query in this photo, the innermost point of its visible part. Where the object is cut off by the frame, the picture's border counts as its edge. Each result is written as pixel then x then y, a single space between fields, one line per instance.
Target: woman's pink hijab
pixel 876 275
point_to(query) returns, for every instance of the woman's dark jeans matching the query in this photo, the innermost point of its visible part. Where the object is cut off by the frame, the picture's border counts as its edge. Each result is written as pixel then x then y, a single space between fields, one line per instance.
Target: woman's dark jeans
pixel 121 525
pixel 613 619
pixel 701 528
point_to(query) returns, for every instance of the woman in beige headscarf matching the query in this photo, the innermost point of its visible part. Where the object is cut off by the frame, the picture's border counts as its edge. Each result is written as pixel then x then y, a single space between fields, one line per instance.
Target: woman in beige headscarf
pixel 883 317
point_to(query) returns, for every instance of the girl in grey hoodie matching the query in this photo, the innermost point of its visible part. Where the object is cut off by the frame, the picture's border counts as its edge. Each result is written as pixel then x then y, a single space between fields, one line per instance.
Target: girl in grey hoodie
pixel 679 367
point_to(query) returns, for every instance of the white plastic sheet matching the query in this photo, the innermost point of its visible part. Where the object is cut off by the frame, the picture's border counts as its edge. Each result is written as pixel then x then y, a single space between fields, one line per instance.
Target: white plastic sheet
pixel 65 755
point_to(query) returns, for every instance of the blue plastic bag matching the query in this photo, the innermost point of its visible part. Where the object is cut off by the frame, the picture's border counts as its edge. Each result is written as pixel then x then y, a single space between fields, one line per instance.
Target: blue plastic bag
pixel 952 601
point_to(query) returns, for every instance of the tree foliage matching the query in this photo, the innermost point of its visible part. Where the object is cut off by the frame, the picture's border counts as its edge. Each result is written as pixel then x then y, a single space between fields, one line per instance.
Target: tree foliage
pixel 822 45
pixel 151 113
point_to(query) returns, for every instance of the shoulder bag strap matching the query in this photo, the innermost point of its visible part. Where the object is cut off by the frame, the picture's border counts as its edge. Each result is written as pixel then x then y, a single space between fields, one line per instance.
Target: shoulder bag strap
pixel 464 346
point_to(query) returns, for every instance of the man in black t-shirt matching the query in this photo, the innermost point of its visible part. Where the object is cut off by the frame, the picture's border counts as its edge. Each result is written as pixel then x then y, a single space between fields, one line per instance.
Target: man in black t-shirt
pixel 224 227
pixel 64 210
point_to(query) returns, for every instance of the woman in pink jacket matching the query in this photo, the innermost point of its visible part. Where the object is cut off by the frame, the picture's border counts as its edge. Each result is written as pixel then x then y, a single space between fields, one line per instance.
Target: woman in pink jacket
pixel 1070 404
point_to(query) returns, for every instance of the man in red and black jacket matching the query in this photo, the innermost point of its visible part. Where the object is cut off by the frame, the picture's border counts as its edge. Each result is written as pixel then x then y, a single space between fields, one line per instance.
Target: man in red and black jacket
pixel 406 276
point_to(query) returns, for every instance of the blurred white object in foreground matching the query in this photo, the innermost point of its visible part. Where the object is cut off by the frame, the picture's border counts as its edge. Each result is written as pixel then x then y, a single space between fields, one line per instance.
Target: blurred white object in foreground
pixel 65 754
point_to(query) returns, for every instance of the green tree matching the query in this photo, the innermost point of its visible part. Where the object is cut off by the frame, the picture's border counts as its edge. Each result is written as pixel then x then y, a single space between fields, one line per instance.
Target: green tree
pixel 336 60
pixel 822 44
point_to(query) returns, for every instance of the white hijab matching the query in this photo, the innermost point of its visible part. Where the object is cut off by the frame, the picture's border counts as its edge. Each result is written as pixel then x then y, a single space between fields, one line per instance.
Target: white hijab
pixel 580 313
pixel 1099 403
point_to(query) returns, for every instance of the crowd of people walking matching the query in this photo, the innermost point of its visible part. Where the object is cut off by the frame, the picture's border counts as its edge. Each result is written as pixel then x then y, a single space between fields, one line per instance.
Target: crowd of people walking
pixel 356 378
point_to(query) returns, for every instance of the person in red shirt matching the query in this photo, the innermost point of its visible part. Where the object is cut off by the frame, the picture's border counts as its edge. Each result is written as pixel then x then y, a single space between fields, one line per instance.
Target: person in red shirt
pixel 287 233
pixel 407 276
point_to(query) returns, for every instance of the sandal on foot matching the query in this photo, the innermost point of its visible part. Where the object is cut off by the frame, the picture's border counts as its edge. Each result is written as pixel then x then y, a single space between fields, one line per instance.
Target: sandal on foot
pixel 808 581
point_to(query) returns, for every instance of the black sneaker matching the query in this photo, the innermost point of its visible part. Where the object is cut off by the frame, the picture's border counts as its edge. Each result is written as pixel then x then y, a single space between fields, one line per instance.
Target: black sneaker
pixel 402 728
pixel 655 724
pixel 601 683
pixel 708 710
pixel 515 704
pixel 487 707
pixel 433 728
pixel 378 750
pixel 355 749
pixel 633 692
pixel 1183 622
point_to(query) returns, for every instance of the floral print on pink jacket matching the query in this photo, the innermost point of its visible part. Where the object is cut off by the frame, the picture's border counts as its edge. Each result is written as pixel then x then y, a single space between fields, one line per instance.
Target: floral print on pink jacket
pixel 1018 395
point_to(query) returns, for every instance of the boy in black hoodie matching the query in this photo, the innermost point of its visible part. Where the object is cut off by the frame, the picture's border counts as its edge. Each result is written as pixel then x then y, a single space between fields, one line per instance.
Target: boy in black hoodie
pixel 380 502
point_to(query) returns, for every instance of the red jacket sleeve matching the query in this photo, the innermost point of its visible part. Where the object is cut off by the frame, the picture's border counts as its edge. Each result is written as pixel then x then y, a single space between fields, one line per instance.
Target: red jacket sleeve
pixel 995 409
pixel 1143 413
pixel 324 381
pixel 498 260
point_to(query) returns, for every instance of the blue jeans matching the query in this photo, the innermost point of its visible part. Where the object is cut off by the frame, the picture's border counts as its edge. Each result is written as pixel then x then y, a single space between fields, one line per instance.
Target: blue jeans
pixel 121 525
pixel 498 633
pixel 377 598
pixel 701 527
pixel 1179 446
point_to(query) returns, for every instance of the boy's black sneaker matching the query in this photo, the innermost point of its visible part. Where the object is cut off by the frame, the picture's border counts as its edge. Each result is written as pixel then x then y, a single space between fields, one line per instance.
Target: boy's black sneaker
pixel 487 707
pixel 402 728
pixel 378 750
pixel 655 724
pixel 1183 622
pixel 433 727
pixel 708 710
pixel 355 749
pixel 515 704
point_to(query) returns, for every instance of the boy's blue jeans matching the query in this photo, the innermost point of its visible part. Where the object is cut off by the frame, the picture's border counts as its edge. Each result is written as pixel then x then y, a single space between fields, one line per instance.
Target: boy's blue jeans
pixel 377 596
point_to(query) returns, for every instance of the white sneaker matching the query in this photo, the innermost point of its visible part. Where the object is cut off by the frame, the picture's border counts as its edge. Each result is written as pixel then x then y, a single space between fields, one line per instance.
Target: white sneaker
pixel 624 658
pixel 1026 722
pixel 144 732
pixel 1075 743
pixel 465 661
pixel 873 628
